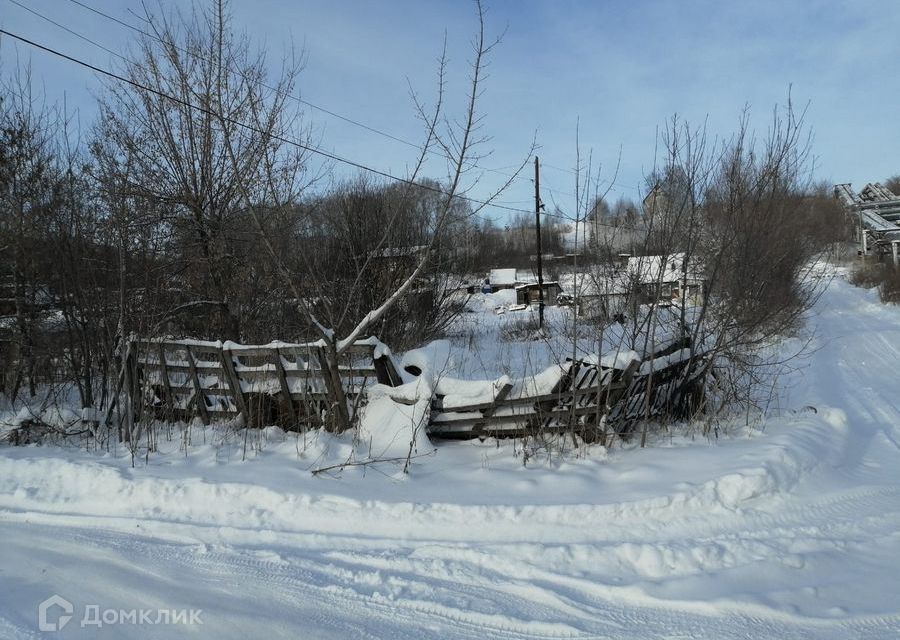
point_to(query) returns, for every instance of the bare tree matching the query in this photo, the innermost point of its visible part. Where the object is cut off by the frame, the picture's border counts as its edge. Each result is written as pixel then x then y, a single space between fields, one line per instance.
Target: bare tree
pixel 723 261
pixel 751 221
pixel 28 181
pixel 198 127
pixel 893 185
pixel 459 144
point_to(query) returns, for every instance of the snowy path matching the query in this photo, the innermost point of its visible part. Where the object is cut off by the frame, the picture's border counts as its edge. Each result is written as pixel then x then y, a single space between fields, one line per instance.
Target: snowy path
pixel 794 533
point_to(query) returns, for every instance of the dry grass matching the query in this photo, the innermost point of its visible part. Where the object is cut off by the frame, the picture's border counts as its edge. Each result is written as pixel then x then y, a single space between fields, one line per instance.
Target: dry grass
pixel 520 328
pixel 882 275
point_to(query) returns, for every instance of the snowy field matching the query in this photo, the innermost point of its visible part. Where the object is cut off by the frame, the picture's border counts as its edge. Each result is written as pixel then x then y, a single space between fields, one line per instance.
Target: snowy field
pixel 789 529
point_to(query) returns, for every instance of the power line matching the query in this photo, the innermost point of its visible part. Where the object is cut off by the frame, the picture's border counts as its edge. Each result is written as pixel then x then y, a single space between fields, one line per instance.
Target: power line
pixel 129 61
pixel 300 145
pixel 249 127
pixel 298 99
pixel 68 30
pixel 572 172
pixel 262 84
pixel 194 54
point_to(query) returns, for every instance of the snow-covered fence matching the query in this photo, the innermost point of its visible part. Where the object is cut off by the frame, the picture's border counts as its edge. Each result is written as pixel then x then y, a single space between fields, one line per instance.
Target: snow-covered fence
pixel 577 401
pixel 666 384
pixel 590 398
pixel 285 384
pixel 276 383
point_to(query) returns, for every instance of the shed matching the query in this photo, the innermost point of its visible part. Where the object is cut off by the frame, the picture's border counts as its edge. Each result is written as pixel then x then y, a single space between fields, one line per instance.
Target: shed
pixel 529 293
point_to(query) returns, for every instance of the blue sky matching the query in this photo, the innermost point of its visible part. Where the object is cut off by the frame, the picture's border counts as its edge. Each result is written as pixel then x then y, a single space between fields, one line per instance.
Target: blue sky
pixel 616 69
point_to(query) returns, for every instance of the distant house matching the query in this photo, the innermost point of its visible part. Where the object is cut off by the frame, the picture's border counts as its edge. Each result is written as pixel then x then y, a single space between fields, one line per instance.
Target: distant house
pixel 503 279
pixel 530 292
pixel 636 279
pixel 391 265
pixel 665 277
pixel 599 293
pixel 655 201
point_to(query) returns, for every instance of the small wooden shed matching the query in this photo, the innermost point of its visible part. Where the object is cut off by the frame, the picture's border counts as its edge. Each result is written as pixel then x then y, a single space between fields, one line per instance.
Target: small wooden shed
pixel 529 293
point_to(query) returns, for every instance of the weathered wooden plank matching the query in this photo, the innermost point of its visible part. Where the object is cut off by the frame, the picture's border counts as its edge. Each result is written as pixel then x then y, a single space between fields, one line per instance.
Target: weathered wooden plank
pixel 360 349
pixel 283 383
pixel 323 364
pixel 184 389
pixel 346 372
pixel 386 372
pixel 167 384
pixel 502 392
pixel 504 430
pixel 309 395
pixel 222 414
pixel 181 367
pixel 440 419
pixel 558 396
pixel 199 396
pixel 234 385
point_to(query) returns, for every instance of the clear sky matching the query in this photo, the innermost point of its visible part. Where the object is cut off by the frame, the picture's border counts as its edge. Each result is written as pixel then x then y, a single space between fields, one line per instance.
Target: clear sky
pixel 617 69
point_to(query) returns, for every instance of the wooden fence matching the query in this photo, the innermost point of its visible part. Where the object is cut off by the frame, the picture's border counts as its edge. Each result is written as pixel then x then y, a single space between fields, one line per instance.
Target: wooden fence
pixel 284 384
pixel 578 402
pixel 589 400
pixel 274 384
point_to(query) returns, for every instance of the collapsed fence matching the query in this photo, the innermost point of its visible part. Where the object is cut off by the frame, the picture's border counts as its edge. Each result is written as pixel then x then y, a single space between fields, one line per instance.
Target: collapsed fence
pixel 286 385
pixel 588 398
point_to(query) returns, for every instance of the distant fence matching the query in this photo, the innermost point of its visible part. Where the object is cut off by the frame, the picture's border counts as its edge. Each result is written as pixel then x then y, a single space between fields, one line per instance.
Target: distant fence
pixel 274 384
pixel 285 384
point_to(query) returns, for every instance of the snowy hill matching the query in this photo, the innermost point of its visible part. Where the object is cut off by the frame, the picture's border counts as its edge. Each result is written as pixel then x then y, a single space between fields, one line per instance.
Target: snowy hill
pixel 786 529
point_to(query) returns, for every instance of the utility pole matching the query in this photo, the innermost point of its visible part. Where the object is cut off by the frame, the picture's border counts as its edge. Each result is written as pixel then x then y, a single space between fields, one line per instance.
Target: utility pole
pixel 540 266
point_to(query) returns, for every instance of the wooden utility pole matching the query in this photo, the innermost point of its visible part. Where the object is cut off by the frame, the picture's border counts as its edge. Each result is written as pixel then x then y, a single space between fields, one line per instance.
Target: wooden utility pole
pixel 540 264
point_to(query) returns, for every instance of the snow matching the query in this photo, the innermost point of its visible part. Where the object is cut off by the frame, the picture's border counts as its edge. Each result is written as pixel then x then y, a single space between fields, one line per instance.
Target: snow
pixel 595 284
pixel 458 393
pixel 783 527
pixel 503 277
pixel 653 269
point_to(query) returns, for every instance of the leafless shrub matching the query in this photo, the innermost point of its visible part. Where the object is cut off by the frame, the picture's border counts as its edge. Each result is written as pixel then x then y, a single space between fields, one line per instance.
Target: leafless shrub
pixel 744 217
pixel 521 326
pixel 893 184
pixel 885 277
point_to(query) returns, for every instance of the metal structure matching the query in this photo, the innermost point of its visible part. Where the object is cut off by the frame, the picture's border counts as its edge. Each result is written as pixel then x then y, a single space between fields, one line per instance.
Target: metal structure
pixel 877 210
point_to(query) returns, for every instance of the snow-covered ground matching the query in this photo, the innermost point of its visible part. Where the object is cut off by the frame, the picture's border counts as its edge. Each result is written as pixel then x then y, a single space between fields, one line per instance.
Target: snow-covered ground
pixel 789 529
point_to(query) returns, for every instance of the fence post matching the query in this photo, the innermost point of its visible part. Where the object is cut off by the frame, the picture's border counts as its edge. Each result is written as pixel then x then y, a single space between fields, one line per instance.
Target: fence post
pixel 234 384
pixel 386 372
pixel 163 366
pixel 199 396
pixel 285 389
